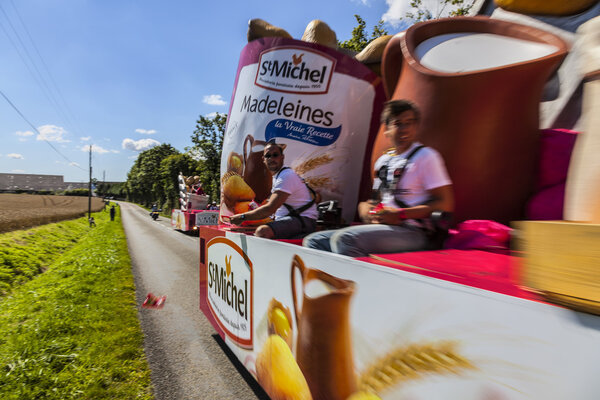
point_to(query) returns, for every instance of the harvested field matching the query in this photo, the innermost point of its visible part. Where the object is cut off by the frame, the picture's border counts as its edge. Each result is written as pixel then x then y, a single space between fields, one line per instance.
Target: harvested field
pixel 22 211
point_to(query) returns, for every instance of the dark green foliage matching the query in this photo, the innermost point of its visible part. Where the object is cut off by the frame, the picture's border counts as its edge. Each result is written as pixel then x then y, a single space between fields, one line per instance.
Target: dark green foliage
pixel 76 192
pixel 143 180
pixel 118 190
pixel 208 142
pixel 170 168
pixel 359 39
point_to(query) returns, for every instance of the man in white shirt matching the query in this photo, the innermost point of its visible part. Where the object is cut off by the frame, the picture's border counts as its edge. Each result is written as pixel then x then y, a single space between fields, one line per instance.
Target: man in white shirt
pixel 291 201
pixel 411 181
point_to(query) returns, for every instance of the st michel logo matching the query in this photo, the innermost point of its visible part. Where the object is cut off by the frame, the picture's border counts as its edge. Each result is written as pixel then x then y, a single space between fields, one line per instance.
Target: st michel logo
pixel 297 59
pixel 229 292
pixel 295 70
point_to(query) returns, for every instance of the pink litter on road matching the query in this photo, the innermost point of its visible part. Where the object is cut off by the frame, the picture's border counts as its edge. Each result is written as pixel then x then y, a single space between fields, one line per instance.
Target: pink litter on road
pixel 153 301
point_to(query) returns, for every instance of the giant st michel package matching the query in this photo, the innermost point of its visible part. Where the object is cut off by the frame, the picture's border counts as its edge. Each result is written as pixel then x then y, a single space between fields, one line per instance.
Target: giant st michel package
pixel 321 104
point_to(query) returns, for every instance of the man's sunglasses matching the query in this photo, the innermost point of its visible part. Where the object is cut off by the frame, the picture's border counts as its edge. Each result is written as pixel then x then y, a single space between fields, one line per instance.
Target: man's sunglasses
pixel 269 155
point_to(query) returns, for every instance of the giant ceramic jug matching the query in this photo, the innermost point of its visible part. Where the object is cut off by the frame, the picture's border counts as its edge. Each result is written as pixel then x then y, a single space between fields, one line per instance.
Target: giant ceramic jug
pixel 478 83
pixel 324 345
pixel 256 174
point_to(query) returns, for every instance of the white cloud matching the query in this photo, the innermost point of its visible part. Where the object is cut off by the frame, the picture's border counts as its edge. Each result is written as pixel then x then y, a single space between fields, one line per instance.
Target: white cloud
pixel 18 171
pixel 52 133
pixel 146 131
pixel 85 138
pixel 398 8
pixel 24 135
pixel 139 145
pixel 363 2
pixel 214 100
pixel 74 164
pixel 97 149
pixel 211 115
pixel 16 156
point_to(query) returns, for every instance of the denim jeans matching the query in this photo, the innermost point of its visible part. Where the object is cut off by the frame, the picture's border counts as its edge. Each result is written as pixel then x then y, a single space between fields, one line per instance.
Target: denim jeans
pixel 362 240
pixel 289 227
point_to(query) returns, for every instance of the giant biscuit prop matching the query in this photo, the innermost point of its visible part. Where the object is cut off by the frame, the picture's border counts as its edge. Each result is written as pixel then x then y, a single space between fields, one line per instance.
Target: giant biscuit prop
pixel 319 32
pixel 546 7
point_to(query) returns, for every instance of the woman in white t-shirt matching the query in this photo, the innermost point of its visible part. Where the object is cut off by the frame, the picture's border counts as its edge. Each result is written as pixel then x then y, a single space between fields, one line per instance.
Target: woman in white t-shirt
pixel 411 181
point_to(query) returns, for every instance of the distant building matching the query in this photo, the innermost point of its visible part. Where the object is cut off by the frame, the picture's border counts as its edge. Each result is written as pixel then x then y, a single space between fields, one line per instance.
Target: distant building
pixel 33 182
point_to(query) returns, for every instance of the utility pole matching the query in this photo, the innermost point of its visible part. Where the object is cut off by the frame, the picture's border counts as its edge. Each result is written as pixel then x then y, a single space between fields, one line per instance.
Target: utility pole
pixel 90 187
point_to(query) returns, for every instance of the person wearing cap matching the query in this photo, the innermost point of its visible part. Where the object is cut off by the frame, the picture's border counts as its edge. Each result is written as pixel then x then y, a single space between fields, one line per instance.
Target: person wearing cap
pixel 291 201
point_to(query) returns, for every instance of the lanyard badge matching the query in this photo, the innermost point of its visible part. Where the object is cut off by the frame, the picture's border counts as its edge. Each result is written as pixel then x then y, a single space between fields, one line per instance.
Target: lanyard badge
pixel 382 174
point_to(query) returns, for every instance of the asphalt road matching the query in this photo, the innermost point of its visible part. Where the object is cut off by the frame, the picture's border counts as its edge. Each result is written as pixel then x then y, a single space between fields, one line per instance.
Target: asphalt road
pixel 187 358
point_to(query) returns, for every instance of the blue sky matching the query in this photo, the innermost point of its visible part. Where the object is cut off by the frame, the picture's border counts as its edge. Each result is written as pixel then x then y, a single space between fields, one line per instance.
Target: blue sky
pixel 126 75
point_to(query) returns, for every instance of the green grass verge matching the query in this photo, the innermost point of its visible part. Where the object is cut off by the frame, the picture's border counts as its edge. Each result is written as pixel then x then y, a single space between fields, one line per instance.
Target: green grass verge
pixel 26 253
pixel 73 332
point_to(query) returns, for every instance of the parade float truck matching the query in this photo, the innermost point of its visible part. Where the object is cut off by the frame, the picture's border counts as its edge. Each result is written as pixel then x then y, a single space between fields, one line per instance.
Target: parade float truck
pixel 192 212
pixel 507 309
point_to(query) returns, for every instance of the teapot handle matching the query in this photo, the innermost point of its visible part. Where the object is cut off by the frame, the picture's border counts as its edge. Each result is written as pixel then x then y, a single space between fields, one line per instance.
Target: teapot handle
pixel 391 64
pixel 296 263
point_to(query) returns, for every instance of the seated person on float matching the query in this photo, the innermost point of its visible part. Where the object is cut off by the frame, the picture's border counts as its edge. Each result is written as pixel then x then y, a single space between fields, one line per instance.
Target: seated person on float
pixel 291 201
pixel 411 182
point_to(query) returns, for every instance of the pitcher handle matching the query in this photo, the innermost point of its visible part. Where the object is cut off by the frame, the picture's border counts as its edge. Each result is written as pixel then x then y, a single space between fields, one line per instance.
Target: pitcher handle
pixel 248 138
pixel 391 64
pixel 296 263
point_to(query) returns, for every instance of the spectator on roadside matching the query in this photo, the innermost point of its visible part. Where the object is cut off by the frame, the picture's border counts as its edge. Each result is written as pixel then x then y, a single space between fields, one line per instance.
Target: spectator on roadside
pixel 92 222
pixel 112 213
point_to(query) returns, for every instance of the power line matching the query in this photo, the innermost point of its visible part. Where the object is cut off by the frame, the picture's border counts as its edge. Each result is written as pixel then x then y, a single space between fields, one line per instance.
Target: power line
pixel 69 112
pixel 35 129
pixel 28 60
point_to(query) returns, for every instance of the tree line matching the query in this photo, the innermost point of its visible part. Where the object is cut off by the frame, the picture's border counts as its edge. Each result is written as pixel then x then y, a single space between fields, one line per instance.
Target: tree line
pixel 153 177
